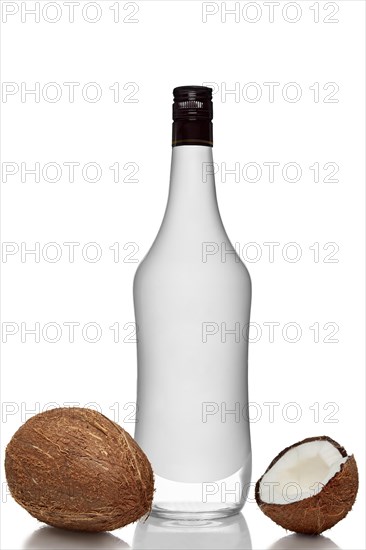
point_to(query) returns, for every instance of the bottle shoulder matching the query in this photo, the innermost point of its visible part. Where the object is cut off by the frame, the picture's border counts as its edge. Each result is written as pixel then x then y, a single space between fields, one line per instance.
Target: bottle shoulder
pixel 209 263
pixel 198 248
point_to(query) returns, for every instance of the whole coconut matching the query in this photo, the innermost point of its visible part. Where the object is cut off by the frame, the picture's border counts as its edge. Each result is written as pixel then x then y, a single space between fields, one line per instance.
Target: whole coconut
pixel 75 469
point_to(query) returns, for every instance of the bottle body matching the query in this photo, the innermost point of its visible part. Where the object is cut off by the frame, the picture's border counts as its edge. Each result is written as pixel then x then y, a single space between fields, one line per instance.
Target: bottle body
pixel 192 302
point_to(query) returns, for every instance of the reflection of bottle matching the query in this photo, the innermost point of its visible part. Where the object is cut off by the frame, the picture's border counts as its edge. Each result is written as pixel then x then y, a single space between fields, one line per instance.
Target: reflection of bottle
pixel 192 300
pixel 225 533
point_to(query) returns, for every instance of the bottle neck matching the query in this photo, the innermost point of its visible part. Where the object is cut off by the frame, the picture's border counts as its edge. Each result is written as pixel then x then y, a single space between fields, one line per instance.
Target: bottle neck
pixel 192 194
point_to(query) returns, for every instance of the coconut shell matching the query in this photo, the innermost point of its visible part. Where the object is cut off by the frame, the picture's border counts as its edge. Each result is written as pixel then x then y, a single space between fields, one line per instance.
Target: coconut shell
pixel 320 512
pixel 75 469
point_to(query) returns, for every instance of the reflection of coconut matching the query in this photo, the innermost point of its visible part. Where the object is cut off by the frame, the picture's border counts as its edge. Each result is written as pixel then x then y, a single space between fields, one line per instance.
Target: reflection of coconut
pixel 303 542
pixel 59 539
pixel 309 486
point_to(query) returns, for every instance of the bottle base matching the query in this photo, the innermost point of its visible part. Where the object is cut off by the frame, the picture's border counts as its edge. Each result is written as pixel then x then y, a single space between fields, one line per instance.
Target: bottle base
pixel 197 513
pixel 201 502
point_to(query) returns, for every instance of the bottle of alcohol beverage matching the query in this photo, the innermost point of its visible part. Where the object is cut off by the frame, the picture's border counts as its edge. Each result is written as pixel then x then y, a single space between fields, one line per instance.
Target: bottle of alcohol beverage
pixel 192 299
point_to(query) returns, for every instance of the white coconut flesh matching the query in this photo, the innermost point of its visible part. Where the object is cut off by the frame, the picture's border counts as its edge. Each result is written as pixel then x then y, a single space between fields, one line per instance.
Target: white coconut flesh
pixel 301 472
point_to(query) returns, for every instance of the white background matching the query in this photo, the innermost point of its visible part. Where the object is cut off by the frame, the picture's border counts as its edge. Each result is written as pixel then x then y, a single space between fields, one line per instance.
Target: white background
pixel 318 383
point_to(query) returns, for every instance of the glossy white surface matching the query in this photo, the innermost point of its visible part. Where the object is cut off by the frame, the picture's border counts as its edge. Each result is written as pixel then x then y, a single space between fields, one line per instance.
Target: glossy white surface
pixel 312 386
pixel 252 532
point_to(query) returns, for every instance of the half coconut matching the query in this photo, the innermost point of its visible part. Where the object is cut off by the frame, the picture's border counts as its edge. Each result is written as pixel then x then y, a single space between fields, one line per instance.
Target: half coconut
pixel 309 486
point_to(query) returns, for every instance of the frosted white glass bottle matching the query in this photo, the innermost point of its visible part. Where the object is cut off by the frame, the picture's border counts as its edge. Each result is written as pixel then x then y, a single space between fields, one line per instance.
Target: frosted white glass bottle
pixel 192 299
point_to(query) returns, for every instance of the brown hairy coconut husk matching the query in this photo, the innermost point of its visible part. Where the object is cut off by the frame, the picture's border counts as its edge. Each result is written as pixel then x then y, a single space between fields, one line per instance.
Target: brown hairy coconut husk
pixel 75 469
pixel 327 477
